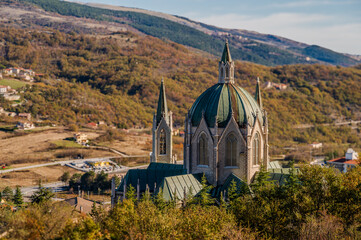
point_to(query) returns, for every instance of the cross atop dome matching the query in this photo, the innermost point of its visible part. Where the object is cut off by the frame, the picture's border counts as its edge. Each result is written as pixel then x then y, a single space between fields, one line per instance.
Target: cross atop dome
pixel 226 66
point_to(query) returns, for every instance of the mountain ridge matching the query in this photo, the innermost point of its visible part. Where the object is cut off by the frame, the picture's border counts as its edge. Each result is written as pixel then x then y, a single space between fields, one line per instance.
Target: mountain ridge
pixel 246 47
pixel 270 39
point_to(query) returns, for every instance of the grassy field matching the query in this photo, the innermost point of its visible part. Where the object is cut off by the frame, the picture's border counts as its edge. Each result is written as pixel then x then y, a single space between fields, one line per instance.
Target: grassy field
pixel 13 83
pixel 66 144
pixel 31 177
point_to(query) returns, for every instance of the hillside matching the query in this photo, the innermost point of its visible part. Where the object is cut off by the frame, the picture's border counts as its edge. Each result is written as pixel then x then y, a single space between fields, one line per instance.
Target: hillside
pixel 246 45
pixel 115 78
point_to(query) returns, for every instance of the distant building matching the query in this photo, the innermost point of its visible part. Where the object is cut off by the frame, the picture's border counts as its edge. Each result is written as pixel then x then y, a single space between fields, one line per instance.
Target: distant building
pixel 26 116
pixel 344 163
pixel 81 138
pixel 25 125
pixel 279 86
pixel 81 205
pixel 4 89
pixel 101 123
pixel 92 125
pixel 316 145
pixel 11 97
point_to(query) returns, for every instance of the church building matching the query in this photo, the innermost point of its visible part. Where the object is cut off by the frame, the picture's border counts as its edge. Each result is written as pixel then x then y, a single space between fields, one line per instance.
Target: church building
pixel 226 129
pixel 226 139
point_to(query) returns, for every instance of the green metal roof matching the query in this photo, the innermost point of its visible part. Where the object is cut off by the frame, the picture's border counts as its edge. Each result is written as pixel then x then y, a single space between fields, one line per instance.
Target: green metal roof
pixel 162 108
pixel 165 166
pixel 280 176
pixel 220 100
pixel 226 56
pixel 152 176
pixel 170 186
pixel 216 192
pixel 273 165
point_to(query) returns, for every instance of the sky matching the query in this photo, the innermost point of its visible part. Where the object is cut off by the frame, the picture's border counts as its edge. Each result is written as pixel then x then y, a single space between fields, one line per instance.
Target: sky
pixel 334 24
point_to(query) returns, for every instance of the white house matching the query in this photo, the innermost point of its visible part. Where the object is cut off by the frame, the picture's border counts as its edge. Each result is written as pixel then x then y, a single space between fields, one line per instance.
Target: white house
pixel 3 89
pixel 344 163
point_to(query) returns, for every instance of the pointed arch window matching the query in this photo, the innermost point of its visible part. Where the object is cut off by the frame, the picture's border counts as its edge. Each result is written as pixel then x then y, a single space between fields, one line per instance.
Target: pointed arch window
pixel 222 73
pixel 227 72
pixel 256 149
pixel 231 150
pixel 202 150
pixel 162 142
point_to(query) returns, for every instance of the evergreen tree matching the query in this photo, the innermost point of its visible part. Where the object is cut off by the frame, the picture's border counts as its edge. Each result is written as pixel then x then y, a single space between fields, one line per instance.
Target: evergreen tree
pixel 261 180
pixel 131 194
pixel 18 197
pixel 222 202
pixel 232 191
pixel 65 177
pixel 8 194
pixel 42 195
pixel 204 197
pixel 159 201
pixel 146 196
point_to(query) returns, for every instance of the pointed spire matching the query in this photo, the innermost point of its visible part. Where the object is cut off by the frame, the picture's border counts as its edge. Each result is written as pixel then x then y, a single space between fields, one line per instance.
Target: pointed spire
pixel 258 93
pixel 226 66
pixel 226 56
pixel 162 109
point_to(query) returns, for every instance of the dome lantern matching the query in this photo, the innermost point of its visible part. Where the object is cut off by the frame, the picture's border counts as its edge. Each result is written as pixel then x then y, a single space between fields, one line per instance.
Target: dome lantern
pixel 226 66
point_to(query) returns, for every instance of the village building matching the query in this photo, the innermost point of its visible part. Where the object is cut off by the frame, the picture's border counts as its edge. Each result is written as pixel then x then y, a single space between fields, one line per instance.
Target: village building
pixel 26 116
pixel 350 160
pixel 81 138
pixel 316 145
pixel 81 205
pixel 4 89
pixel 92 125
pixel 25 125
pixel 278 86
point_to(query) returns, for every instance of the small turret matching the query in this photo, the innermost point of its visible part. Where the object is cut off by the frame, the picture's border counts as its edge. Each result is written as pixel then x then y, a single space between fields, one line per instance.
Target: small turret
pixel 162 109
pixel 258 94
pixel 226 66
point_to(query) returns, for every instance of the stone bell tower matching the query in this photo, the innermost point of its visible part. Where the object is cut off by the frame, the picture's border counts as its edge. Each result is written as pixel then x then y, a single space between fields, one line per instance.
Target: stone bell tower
pixel 162 130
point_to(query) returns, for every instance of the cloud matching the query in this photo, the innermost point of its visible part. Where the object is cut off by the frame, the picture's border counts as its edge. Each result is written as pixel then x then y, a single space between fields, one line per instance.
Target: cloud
pixel 323 30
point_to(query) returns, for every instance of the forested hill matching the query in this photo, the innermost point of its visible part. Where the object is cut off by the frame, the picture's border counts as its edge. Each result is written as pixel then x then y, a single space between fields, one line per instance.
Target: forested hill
pixel 245 45
pixel 116 77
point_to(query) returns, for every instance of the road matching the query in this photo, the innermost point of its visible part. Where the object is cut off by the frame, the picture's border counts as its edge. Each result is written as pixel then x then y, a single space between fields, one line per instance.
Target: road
pixel 304 126
pixel 54 186
pixel 55 163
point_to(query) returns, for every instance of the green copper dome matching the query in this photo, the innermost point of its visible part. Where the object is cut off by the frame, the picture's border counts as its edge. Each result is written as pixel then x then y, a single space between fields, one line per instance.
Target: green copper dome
pixel 220 101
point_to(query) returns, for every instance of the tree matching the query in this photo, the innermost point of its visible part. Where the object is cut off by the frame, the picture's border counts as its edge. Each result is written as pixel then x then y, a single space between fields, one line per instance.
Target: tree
pixel 41 196
pixel 8 193
pixel 18 197
pixel 232 191
pixel 65 177
pixel 131 194
pixel 204 197
pixel 261 180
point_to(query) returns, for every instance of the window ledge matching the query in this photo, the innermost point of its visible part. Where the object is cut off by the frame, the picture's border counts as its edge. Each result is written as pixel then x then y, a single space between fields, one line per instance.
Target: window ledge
pixel 203 166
